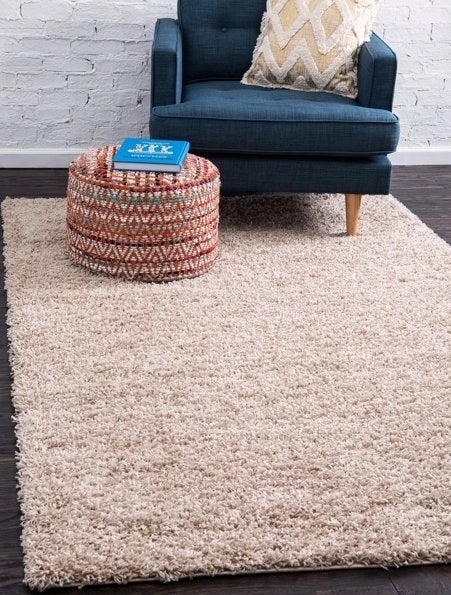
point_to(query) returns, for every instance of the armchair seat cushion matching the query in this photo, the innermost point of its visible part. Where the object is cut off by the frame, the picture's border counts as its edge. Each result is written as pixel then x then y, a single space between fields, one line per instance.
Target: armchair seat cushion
pixel 226 116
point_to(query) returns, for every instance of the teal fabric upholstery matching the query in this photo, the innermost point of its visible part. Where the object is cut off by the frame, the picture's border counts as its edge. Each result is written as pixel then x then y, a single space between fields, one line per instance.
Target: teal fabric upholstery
pixel 270 173
pixel 268 139
pixel 226 115
pixel 377 74
pixel 218 37
pixel 166 63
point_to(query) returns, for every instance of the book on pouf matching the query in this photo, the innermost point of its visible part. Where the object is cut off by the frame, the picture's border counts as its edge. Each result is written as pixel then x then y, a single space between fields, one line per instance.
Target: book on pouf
pixel 151 154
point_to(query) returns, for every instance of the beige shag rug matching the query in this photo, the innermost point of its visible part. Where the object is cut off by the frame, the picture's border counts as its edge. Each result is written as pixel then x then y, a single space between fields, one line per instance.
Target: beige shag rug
pixel 290 409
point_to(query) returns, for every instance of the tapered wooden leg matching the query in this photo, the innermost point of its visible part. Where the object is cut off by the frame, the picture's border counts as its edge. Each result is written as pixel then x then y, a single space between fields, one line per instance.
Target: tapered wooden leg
pixel 353 202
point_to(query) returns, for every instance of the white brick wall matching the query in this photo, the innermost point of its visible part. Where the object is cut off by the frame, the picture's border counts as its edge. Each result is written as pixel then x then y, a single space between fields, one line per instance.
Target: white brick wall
pixel 75 73
pixel 420 33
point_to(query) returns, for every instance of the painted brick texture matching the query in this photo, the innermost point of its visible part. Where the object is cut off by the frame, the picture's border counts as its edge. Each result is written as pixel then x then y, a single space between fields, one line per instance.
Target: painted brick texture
pixel 76 73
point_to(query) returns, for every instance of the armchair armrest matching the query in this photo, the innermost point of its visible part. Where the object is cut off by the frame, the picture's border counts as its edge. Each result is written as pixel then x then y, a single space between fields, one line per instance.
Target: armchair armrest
pixel 376 74
pixel 166 63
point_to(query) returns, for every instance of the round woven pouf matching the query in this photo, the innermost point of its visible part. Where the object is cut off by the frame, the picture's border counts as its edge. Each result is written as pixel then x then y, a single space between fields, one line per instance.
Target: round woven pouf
pixel 142 225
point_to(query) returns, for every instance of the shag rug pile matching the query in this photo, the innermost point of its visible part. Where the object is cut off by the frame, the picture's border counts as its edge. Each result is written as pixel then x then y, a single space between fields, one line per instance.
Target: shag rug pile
pixel 289 409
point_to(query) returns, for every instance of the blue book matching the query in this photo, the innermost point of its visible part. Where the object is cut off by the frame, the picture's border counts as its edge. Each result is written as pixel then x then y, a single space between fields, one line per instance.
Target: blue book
pixel 151 154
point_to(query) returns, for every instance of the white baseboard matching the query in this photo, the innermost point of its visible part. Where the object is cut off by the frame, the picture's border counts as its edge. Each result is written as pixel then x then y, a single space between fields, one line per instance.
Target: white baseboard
pixel 39 158
pixel 422 156
pixel 60 158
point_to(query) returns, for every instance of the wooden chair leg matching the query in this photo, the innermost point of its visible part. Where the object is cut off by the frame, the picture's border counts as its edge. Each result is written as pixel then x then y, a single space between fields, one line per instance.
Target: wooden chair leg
pixel 353 202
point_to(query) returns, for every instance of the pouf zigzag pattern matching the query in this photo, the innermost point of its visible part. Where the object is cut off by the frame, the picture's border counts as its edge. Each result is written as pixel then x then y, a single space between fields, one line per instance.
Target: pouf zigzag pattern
pixel 142 225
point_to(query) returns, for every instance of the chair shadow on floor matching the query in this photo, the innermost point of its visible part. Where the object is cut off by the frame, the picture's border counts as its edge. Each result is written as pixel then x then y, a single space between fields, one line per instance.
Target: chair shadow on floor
pixel 309 214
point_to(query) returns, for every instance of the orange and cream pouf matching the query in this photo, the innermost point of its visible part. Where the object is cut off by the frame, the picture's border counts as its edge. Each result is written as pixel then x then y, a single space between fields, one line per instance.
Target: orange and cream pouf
pixel 142 225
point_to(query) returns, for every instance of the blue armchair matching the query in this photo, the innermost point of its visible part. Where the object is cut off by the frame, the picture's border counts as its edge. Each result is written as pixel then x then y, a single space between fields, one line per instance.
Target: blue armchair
pixel 269 139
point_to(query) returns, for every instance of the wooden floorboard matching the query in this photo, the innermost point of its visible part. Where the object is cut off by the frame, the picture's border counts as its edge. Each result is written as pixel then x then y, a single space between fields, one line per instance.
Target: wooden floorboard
pixel 424 190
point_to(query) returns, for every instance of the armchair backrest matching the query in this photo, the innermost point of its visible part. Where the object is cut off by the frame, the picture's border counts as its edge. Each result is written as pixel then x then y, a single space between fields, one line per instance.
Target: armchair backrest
pixel 218 37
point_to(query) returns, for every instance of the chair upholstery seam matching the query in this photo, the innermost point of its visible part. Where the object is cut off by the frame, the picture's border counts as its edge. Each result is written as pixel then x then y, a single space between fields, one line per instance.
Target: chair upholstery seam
pixel 211 151
pixel 350 122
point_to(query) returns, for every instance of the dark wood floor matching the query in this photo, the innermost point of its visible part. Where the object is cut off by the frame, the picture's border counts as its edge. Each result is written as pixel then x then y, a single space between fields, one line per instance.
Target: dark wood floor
pixel 427 192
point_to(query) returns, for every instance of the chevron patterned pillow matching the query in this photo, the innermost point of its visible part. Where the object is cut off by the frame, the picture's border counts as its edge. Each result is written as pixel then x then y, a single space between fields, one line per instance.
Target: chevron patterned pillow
pixel 311 45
